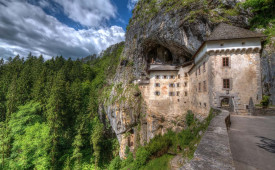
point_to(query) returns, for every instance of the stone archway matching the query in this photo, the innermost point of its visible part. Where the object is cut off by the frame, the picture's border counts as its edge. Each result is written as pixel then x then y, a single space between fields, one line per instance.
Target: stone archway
pixel 226 102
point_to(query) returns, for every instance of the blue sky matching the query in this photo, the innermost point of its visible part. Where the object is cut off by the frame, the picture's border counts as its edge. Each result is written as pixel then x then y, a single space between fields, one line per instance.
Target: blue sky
pixel 72 28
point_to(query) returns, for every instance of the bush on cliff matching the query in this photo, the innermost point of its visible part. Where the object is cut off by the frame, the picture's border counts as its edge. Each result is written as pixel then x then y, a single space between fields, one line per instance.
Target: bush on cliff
pixel 171 142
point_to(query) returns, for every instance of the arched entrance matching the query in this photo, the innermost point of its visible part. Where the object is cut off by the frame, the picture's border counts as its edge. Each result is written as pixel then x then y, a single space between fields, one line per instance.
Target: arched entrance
pixel 226 103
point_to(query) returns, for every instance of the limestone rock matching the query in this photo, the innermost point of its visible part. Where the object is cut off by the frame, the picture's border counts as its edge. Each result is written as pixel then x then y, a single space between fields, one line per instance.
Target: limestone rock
pixel 173 35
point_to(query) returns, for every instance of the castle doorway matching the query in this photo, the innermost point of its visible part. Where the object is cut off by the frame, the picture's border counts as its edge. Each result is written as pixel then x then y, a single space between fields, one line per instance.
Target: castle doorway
pixel 227 103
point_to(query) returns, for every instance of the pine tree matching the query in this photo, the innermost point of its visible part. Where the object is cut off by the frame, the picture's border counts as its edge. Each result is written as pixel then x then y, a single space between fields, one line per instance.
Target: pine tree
pixel 12 97
pixel 96 138
pixel 24 85
pixel 55 110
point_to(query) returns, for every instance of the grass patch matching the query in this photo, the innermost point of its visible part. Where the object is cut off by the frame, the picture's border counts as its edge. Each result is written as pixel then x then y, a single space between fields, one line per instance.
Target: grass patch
pixel 161 163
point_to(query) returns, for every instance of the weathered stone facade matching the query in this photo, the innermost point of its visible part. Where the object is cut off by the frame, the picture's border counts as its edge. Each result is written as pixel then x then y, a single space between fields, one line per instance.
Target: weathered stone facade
pixel 160 112
pixel 223 71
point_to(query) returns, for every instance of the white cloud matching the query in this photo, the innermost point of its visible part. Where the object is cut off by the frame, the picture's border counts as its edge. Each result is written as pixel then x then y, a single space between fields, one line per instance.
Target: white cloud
pixel 27 28
pixel 88 12
pixel 131 4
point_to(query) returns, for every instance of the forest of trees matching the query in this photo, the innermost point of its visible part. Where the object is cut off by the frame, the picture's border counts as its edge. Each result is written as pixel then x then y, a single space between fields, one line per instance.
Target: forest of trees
pixel 48 112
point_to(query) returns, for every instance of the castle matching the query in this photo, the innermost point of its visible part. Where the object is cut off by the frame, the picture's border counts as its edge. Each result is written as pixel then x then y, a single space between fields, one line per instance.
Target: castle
pixel 224 72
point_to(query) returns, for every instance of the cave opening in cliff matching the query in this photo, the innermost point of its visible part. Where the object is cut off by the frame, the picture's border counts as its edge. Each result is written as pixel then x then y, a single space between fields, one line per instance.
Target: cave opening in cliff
pixel 159 55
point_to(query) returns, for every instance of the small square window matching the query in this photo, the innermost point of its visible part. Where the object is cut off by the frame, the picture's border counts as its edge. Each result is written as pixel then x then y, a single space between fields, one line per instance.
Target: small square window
pixel 204 104
pixel 157 77
pixel 171 94
pixel 157 93
pixel 171 85
pixel 178 84
pixel 185 74
pixel 164 77
pixel 157 84
pixel 185 93
pixel 222 44
pixel 243 43
pixel 172 77
pixel 185 84
pixel 178 93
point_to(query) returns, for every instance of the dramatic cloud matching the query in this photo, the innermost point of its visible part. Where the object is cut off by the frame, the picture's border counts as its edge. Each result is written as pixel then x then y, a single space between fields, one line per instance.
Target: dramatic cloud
pixel 88 12
pixel 131 4
pixel 27 28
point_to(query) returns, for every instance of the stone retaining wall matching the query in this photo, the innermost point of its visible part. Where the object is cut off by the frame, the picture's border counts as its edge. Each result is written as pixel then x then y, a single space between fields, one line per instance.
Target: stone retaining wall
pixel 213 152
pixel 264 112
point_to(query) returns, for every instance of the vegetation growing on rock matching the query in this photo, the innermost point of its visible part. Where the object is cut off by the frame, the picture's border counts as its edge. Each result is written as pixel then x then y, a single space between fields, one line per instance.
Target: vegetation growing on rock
pixel 183 142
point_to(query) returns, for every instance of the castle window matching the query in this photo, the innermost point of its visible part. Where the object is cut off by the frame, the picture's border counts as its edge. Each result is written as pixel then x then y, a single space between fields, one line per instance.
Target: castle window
pixel 178 84
pixel 204 67
pixel 171 85
pixel 243 43
pixel 157 85
pixel 185 74
pixel 204 86
pixel 157 77
pixel 178 93
pixel 164 77
pixel 172 77
pixel 185 93
pixel 222 44
pixel 226 83
pixel 199 87
pixel 225 61
pixel 185 84
pixel 171 93
pixel 179 76
pixel 199 70
pixel 157 93
pixel 204 104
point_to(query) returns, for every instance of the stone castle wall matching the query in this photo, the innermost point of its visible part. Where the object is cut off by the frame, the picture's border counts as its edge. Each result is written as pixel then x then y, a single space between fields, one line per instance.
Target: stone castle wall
pixel 245 78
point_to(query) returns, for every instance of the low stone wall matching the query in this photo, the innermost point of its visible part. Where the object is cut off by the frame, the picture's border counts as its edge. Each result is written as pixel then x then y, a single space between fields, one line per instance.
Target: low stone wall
pixel 213 152
pixel 264 112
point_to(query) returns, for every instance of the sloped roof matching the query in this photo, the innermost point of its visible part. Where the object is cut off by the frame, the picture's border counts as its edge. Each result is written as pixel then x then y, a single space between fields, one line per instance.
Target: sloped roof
pixel 226 32
pixel 163 68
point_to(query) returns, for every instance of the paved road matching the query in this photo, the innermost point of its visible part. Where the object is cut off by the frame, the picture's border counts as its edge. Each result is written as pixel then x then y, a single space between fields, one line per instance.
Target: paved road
pixel 252 142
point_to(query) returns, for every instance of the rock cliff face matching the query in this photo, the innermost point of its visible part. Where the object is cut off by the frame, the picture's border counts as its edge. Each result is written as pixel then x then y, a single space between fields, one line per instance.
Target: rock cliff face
pixel 268 71
pixel 170 31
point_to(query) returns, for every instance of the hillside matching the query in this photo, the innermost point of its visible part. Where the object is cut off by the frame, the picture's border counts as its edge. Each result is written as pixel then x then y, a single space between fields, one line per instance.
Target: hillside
pixel 48 112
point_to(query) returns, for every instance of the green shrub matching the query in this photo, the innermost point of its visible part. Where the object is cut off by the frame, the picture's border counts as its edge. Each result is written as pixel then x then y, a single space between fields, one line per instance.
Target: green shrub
pixel 128 160
pixel 265 101
pixel 189 117
pixel 115 164
pixel 142 156
pixel 161 163
pixel 159 145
